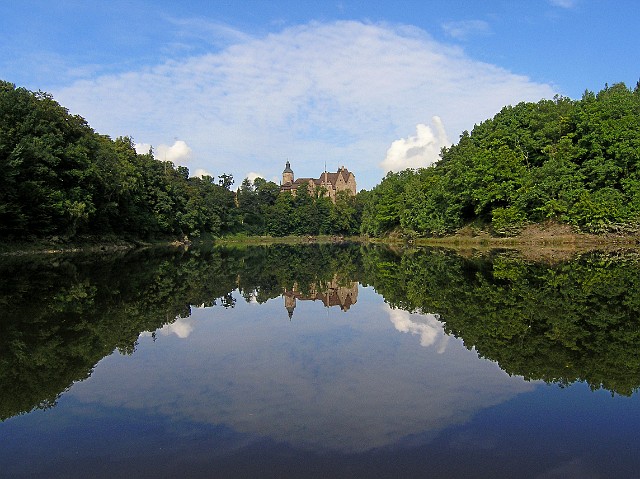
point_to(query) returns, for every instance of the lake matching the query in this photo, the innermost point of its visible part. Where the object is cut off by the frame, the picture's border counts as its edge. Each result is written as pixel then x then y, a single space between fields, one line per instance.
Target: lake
pixel 319 361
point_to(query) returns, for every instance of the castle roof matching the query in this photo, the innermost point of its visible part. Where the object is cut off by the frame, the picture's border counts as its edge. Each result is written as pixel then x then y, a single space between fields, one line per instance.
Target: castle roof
pixel 333 177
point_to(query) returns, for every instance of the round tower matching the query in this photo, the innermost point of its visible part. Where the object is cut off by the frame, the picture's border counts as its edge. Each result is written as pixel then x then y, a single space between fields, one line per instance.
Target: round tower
pixel 287 174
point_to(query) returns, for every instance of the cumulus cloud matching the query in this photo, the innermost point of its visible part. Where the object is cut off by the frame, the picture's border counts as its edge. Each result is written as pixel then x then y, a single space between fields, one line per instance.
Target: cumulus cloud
pixel 200 172
pixel 179 153
pixel 338 92
pixel 417 151
pixel 143 148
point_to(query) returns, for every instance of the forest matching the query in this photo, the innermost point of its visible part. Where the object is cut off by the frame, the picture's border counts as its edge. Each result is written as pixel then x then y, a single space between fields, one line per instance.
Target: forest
pixel 571 161
pixel 59 179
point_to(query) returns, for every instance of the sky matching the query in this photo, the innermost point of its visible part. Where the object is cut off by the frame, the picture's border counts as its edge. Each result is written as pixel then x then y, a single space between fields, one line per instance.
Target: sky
pixel 241 87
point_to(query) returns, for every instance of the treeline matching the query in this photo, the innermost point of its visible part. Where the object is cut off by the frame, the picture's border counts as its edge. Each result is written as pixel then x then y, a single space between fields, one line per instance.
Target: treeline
pixel 264 211
pixel 59 178
pixel 575 162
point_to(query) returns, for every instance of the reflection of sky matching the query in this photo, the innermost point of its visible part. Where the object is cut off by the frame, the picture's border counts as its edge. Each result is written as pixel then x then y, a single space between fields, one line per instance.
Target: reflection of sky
pixel 328 379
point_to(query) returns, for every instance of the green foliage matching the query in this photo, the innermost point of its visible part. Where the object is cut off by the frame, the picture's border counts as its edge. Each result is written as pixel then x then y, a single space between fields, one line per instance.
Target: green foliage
pixel 508 221
pixel 384 205
pixel 573 161
pixel 60 178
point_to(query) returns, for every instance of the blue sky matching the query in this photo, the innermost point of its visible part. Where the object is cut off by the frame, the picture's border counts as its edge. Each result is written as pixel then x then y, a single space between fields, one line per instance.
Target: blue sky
pixel 240 87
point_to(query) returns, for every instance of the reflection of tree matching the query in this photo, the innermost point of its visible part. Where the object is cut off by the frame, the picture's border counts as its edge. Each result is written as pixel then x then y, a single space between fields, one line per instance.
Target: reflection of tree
pixel 576 321
pixel 268 271
pixel 60 316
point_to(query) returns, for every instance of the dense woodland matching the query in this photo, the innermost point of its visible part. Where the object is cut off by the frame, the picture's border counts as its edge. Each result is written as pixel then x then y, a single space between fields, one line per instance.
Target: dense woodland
pixel 575 162
pixel 61 179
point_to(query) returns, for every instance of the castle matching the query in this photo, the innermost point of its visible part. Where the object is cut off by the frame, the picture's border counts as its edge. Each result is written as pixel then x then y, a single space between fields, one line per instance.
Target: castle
pixel 332 183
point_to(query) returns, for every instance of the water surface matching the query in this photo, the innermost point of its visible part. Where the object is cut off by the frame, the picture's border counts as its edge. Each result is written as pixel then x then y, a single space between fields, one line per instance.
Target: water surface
pixel 319 361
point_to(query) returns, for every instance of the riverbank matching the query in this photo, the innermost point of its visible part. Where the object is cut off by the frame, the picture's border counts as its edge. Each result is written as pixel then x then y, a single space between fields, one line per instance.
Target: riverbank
pixel 57 246
pixel 292 240
pixel 539 240
pixel 549 242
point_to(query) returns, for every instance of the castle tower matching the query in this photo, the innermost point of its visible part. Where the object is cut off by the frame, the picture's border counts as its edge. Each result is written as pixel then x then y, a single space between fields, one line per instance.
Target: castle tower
pixel 287 174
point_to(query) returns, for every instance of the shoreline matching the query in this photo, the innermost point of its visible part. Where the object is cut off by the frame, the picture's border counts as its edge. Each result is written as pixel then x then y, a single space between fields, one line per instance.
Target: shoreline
pixel 546 239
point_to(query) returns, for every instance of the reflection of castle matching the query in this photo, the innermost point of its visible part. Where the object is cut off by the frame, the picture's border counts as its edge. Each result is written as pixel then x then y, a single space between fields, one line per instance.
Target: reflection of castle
pixel 332 295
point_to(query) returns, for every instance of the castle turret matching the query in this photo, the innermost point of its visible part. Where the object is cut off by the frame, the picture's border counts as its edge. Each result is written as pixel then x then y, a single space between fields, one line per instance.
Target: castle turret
pixel 287 174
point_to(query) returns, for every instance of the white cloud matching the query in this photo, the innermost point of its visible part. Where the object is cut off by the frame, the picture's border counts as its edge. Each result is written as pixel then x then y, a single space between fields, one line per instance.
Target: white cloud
pixel 142 148
pixel 192 31
pixel 200 172
pixel 337 92
pixel 179 153
pixel 464 29
pixel 252 175
pixel 417 151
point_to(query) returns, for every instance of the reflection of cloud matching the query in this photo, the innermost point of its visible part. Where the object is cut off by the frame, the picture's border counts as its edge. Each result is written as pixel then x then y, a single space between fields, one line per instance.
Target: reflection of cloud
pixel 317 382
pixel 576 467
pixel 426 326
pixel 181 327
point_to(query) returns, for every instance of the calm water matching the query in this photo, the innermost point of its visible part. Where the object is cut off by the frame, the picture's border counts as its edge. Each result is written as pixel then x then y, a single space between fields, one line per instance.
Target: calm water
pixel 319 361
